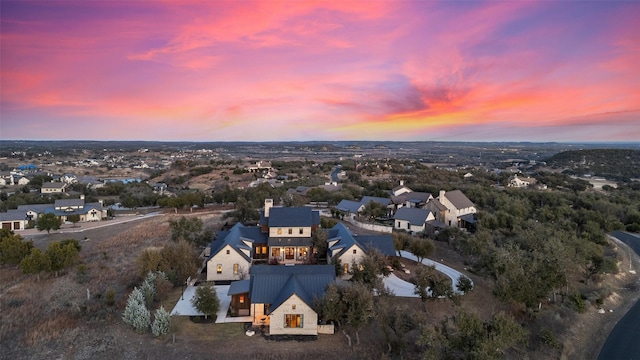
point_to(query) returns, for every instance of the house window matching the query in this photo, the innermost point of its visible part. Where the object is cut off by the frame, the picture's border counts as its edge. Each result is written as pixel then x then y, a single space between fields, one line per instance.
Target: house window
pixel 228 252
pixel 279 231
pixel 354 251
pixel 289 253
pixel 293 306
pixel 398 224
pixel 301 231
pixel 345 269
pixel 241 299
pixel 235 269
pixel 290 231
pixel 219 268
pixel 293 320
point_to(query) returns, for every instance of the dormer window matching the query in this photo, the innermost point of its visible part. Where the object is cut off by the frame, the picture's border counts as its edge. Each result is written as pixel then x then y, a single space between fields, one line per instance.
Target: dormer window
pixel 279 231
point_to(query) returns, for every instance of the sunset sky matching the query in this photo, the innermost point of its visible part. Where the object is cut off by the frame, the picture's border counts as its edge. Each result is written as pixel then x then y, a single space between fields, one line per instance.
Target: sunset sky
pixel 313 70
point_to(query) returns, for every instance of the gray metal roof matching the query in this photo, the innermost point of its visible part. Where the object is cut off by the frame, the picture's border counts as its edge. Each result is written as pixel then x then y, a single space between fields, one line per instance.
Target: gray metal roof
pixel 411 196
pixel 367 199
pixel 239 287
pixel 54 185
pixel 345 238
pixel 273 284
pixel 233 238
pixel 292 217
pixel 414 216
pixel 69 202
pixel 349 206
pixel 458 199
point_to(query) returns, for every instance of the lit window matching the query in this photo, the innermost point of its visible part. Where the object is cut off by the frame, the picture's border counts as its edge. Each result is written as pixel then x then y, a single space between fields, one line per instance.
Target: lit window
pixel 241 299
pixel 345 268
pixel 235 269
pixel 293 320
pixel 219 269
pixel 279 231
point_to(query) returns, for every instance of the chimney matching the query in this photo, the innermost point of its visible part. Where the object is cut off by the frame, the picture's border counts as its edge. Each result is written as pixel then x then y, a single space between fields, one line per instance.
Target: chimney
pixel 401 182
pixel 268 204
pixel 441 197
pixel 81 196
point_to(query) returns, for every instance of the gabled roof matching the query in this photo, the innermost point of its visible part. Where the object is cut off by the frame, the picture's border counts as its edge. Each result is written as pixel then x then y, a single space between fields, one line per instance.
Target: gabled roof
pixel 367 199
pixel 346 240
pixel 400 187
pixel 38 208
pixel 69 202
pixel 54 185
pixel 234 239
pixel 349 206
pixel 414 216
pixel 438 204
pixel 416 197
pixel 12 215
pixel 274 284
pixel 458 199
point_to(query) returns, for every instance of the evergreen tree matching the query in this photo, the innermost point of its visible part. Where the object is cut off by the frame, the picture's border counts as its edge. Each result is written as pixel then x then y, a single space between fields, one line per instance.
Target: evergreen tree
pixel 35 263
pixel 136 314
pixel 161 322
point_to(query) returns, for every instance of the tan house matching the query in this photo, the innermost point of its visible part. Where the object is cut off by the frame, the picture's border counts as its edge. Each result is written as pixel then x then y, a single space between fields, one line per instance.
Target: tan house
pixel 53 188
pixel 518 182
pixel 453 208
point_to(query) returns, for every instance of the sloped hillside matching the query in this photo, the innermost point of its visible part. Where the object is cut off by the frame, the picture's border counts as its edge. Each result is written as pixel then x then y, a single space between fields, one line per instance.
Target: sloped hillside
pixel 615 164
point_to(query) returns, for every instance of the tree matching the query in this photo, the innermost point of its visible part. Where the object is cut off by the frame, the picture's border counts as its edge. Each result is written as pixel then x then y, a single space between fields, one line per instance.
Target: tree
pixel 359 306
pixel 62 255
pixel 35 263
pixel 136 314
pixel 179 261
pixel 189 229
pixel 371 266
pixel 161 322
pixel 48 222
pixel 13 248
pixel 464 284
pixel 206 300
pixel 401 241
pixel 421 248
pixel 75 218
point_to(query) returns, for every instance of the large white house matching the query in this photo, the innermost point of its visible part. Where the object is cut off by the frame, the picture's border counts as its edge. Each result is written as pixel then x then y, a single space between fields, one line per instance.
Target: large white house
pixel 453 208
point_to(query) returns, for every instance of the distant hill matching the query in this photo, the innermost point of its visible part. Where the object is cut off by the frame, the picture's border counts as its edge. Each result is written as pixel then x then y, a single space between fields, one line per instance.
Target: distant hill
pixel 614 164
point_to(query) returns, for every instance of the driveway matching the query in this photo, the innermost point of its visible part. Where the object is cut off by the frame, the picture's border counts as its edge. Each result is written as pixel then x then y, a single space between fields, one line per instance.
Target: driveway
pixel 406 289
pixel 185 308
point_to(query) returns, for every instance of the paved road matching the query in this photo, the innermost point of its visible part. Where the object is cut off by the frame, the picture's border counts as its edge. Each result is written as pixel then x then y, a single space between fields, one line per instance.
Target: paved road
pixel 624 340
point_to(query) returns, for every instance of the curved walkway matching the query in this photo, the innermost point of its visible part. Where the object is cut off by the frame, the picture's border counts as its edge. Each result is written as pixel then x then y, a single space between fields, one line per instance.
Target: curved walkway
pixel 406 289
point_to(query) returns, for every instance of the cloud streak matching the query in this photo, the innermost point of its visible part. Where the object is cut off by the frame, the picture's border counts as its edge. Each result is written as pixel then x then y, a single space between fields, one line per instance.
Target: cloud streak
pixel 265 70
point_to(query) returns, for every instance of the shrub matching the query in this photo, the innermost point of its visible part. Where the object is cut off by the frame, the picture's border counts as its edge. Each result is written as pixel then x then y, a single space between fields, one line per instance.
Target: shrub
pixel 110 297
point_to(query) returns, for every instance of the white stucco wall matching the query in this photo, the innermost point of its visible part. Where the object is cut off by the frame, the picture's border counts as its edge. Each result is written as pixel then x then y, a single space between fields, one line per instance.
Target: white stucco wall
pixel 309 318
pixel 227 261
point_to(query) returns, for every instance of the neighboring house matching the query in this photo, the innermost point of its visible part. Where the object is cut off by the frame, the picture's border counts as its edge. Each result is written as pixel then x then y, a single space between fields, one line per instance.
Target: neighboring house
pixel 454 209
pixel 412 219
pixel 14 220
pixel 283 297
pixel 300 190
pixel 350 208
pixel 400 189
pixel 20 180
pixel 87 211
pixel 69 178
pixel 91 182
pixel 53 188
pixel 519 182
pixel 350 249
